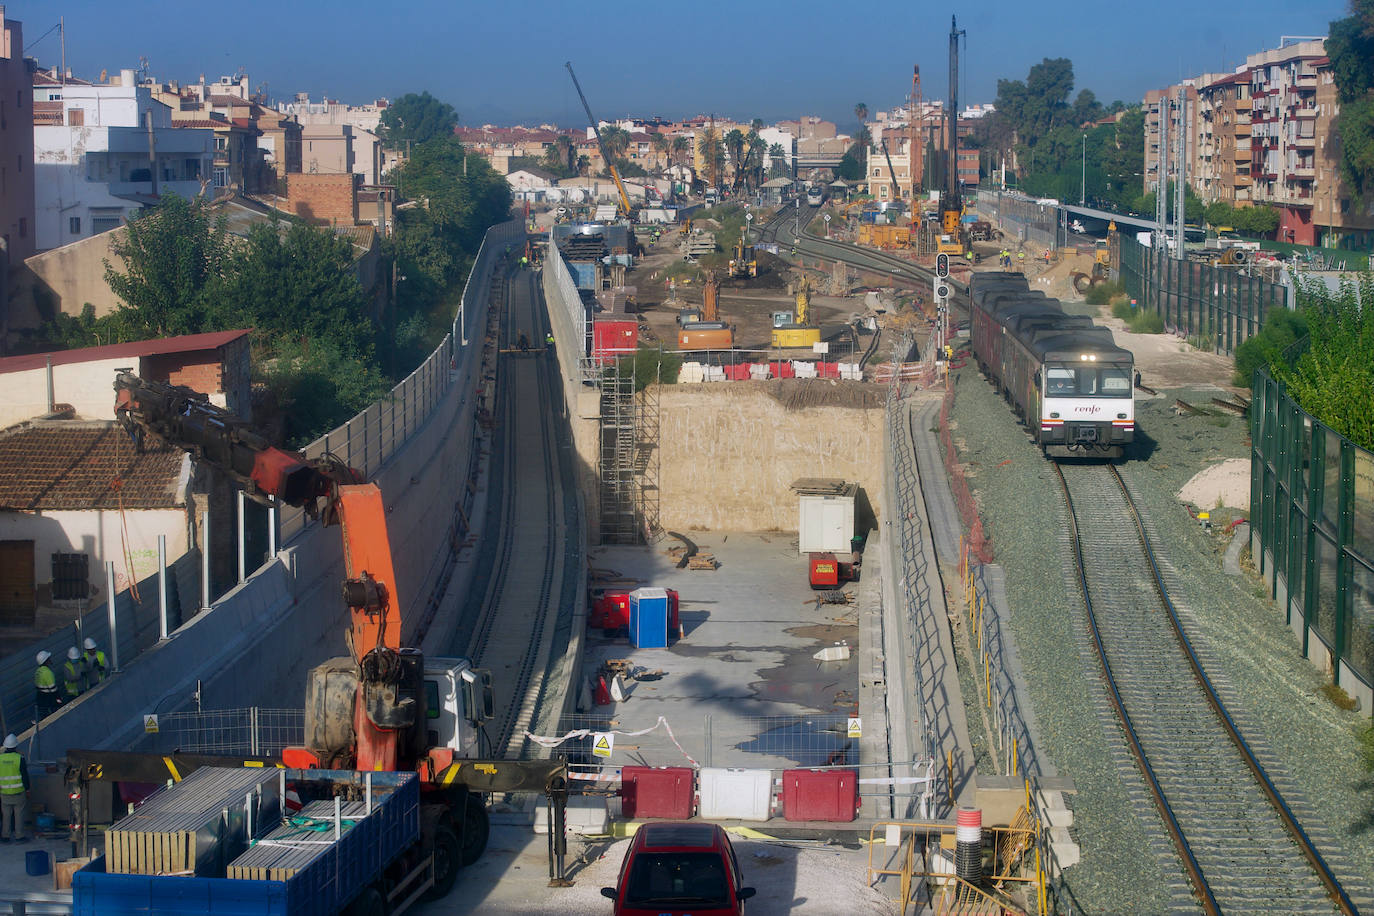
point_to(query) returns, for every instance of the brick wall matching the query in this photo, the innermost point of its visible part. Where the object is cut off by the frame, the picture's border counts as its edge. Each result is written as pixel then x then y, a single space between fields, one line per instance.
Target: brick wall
pixel 323 199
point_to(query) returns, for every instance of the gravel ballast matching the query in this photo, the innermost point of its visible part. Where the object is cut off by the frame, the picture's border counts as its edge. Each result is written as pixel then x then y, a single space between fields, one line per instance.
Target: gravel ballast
pixel 1233 624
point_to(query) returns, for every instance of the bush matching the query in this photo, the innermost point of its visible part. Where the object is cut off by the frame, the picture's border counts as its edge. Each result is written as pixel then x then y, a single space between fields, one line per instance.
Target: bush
pixel 1146 322
pixel 1103 293
pixel 1281 328
pixel 1122 308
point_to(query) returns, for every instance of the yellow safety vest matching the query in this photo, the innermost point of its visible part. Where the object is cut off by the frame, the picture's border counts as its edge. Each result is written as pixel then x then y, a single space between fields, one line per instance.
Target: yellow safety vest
pixel 71 678
pixel 11 778
pixel 95 666
pixel 45 680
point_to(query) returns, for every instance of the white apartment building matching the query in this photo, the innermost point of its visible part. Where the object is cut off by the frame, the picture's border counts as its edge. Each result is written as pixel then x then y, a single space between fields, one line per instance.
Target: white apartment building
pixel 93 166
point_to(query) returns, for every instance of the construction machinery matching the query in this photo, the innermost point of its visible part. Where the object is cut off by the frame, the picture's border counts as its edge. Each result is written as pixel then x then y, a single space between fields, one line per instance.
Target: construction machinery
pixel 794 329
pixel 625 210
pixel 705 330
pixel 951 202
pixel 743 262
pixel 383 707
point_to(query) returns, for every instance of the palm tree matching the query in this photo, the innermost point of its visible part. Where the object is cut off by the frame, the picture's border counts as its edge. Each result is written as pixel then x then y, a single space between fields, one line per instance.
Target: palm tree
pixel 777 156
pixel 756 125
pixel 660 142
pixel 754 156
pixel 734 144
pixel 682 146
pixel 616 141
pixel 864 138
pixel 712 155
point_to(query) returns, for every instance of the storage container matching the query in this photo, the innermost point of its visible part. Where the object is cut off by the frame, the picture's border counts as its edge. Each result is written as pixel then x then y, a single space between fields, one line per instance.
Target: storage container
pixel 820 795
pixel 649 618
pixel 745 795
pixel 36 862
pixel 666 792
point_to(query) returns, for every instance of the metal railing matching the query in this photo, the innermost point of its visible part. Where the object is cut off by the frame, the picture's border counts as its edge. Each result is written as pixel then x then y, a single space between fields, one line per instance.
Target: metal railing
pixel 252 730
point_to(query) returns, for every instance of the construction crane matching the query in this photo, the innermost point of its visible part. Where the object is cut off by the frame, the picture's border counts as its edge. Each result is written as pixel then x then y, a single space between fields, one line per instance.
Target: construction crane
pixel 896 188
pixel 625 209
pixel 952 205
pixel 374 709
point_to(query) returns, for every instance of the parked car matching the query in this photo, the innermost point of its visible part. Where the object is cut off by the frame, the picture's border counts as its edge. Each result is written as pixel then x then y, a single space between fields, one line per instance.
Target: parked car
pixel 675 869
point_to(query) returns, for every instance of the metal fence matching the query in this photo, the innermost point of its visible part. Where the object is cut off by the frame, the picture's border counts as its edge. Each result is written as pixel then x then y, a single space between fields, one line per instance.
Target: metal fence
pixel 1312 531
pixel 252 730
pixel 1223 306
pixel 1021 217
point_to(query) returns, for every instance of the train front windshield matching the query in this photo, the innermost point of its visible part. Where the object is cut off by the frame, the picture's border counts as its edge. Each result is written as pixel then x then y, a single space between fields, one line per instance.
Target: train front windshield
pixel 1087 381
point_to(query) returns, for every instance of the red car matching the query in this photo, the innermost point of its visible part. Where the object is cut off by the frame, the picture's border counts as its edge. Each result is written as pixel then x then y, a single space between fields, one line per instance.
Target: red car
pixel 610 610
pixel 679 869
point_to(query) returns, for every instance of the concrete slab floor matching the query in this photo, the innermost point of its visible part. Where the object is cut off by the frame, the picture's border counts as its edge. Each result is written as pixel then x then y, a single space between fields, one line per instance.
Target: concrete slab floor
pixel 794 877
pixel 752 627
pixel 15 881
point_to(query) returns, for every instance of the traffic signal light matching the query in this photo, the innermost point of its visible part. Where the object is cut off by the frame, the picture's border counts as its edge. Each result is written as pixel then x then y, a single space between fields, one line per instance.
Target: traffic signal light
pixel 942 265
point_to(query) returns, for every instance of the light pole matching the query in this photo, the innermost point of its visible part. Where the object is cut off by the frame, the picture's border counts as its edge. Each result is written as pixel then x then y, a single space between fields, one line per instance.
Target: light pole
pixel 1083 176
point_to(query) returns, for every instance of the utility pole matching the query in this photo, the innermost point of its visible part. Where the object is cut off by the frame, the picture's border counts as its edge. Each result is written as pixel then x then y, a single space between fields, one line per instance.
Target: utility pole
pixel 1162 175
pixel 1180 175
pixel 152 149
pixel 1083 177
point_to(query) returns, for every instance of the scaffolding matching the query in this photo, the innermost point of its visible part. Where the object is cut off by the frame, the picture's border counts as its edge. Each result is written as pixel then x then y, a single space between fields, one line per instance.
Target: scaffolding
pixel 629 458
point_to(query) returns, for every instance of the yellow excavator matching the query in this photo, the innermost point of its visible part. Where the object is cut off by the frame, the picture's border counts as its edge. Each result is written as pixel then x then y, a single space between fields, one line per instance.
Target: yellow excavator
pixel 743 263
pixel 794 329
pixel 624 209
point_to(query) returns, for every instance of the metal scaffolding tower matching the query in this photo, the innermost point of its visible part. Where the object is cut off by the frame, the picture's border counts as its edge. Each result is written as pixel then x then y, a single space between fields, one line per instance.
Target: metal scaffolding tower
pixel 629 458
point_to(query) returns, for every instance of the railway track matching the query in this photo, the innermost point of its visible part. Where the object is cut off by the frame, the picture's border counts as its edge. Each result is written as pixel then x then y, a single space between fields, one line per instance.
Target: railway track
pixel 1240 829
pixel 515 624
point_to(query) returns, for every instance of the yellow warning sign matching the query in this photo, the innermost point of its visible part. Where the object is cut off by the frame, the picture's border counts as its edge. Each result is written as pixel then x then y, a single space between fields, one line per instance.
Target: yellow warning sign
pixel 602 744
pixel 856 727
pixel 150 724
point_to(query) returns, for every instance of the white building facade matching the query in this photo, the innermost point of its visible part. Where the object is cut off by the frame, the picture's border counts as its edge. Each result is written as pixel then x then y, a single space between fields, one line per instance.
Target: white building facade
pixel 96 168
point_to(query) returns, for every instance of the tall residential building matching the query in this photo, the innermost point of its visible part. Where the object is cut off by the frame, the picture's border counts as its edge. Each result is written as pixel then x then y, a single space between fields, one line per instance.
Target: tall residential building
pixel 1283 134
pixel 107 151
pixel 1221 166
pixel 16 148
pixel 1181 114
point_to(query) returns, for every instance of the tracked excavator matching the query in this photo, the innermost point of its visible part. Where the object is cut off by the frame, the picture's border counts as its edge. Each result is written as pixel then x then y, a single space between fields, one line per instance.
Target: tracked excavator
pixel 383 706
pixel 796 329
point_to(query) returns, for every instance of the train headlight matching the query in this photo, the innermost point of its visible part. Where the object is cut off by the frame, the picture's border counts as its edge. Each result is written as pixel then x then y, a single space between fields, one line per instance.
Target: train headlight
pixel 1054 415
pixel 1121 416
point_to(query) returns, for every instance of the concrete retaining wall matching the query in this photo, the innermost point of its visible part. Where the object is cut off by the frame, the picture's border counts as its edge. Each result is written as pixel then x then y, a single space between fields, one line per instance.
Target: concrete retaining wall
pixel 257 643
pixel 741 447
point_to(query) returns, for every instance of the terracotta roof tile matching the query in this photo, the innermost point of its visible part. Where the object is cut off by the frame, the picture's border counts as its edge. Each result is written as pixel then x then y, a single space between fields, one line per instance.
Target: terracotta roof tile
pixel 58 465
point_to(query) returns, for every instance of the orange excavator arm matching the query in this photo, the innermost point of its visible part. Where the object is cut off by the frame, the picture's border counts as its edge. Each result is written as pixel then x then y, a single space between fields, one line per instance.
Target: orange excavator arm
pixel 325 488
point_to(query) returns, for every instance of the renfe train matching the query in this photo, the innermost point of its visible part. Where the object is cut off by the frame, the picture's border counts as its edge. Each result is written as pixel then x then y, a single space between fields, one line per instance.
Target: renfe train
pixel 1066 378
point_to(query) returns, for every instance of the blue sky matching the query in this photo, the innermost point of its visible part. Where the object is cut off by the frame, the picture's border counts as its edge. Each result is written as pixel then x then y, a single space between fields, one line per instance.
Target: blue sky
pixel 502 62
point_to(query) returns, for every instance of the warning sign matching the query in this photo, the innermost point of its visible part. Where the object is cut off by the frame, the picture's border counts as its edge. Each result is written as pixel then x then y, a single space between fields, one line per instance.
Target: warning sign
pixel 150 724
pixel 856 727
pixel 602 744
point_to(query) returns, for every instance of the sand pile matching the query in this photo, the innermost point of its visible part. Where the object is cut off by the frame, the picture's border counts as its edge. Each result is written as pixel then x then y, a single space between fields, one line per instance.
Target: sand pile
pixel 1226 483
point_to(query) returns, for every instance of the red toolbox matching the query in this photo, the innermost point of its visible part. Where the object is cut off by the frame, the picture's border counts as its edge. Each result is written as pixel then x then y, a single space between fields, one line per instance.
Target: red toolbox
pixel 820 795
pixel 667 792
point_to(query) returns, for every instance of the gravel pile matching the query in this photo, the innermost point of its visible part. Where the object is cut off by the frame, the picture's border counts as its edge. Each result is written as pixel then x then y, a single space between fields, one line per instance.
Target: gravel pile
pixel 1239 631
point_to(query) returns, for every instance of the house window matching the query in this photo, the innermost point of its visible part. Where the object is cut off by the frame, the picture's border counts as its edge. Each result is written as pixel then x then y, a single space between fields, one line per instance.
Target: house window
pixel 74 225
pixel 221 177
pixel 76 117
pixel 103 219
pixel 221 143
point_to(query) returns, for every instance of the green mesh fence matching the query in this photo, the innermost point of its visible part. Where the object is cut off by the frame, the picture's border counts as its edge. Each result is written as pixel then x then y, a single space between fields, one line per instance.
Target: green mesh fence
pixel 1312 528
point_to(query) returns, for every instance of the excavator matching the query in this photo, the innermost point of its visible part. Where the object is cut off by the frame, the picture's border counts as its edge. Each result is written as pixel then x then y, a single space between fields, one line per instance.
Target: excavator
pixel 743 262
pixel 794 329
pixel 703 329
pixel 384 706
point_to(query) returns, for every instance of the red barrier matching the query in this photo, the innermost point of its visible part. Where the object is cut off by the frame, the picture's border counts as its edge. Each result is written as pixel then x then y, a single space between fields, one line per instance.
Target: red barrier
pixel 780 369
pixel 657 792
pixel 828 370
pixel 820 795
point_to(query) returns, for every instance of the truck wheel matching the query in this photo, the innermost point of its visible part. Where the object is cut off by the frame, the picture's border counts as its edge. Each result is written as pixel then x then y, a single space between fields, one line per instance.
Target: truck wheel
pixel 447 862
pixel 476 830
pixel 369 903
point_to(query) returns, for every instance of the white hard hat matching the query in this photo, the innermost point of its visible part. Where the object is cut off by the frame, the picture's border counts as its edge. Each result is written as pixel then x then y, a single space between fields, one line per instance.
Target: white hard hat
pixel 90 643
pixel 73 653
pixel 11 741
pixel 43 656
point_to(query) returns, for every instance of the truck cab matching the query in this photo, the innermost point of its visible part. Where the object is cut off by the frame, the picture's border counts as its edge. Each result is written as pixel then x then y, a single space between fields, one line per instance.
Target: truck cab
pixel 458 699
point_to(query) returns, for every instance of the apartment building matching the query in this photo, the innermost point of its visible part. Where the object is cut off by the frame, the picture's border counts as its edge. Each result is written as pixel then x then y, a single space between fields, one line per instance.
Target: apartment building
pixel 1221 166
pixel 1340 221
pixel 16 149
pixel 363 121
pixel 92 162
pixel 1168 111
pixel 1283 135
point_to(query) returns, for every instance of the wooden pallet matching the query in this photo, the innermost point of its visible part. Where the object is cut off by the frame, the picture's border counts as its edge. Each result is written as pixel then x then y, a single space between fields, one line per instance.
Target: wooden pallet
pixel 702 561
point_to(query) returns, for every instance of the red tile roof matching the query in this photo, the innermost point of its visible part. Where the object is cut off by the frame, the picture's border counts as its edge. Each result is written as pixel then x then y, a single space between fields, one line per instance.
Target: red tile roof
pixel 184 344
pixel 56 465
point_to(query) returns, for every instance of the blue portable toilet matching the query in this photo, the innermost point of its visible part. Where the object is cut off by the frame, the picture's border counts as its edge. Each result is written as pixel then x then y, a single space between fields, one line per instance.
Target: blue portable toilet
pixel 649 618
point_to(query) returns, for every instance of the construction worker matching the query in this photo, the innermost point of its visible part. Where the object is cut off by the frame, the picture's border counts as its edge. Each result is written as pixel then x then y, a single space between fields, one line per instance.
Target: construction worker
pixel 524 342
pixel 73 675
pixel 96 666
pixel 14 792
pixel 46 697
pixel 1021 260
pixel 548 340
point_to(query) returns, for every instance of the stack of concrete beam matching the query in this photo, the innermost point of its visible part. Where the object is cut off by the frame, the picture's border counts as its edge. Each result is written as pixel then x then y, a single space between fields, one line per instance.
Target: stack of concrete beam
pixel 294 844
pixel 195 826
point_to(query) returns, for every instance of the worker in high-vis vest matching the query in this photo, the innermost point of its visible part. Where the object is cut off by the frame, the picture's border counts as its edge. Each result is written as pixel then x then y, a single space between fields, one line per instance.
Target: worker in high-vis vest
pixel 46 697
pixel 96 666
pixel 14 792
pixel 72 674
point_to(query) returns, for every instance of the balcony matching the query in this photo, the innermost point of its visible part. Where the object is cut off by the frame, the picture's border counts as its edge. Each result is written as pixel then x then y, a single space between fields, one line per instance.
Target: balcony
pixel 1302 142
pixel 1305 112
pixel 1306 80
pixel 1302 172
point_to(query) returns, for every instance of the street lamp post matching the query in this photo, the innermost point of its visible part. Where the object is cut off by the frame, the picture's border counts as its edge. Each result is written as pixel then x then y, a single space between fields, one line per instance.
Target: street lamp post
pixel 1083 177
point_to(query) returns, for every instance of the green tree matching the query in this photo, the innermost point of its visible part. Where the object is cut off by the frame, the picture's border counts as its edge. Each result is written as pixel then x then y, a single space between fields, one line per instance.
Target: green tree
pixel 1350 46
pixel 1334 377
pixel 712 154
pixel 777 158
pixel 173 256
pixel 734 146
pixel 416 119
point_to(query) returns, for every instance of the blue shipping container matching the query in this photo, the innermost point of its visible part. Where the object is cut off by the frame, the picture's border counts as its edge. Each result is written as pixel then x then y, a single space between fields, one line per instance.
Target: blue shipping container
pixel 649 618
pixel 322 888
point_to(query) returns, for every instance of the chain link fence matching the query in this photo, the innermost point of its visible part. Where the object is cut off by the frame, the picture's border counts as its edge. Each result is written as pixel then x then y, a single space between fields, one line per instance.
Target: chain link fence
pixel 1312 532
pixel 1219 308
pixel 252 730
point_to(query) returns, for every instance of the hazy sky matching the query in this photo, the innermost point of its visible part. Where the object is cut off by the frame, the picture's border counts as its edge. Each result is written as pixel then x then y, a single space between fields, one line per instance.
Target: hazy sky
pixel 501 61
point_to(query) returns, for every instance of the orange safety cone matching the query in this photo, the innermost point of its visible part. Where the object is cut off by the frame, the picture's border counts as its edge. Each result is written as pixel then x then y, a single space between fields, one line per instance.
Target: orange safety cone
pixel 602 694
